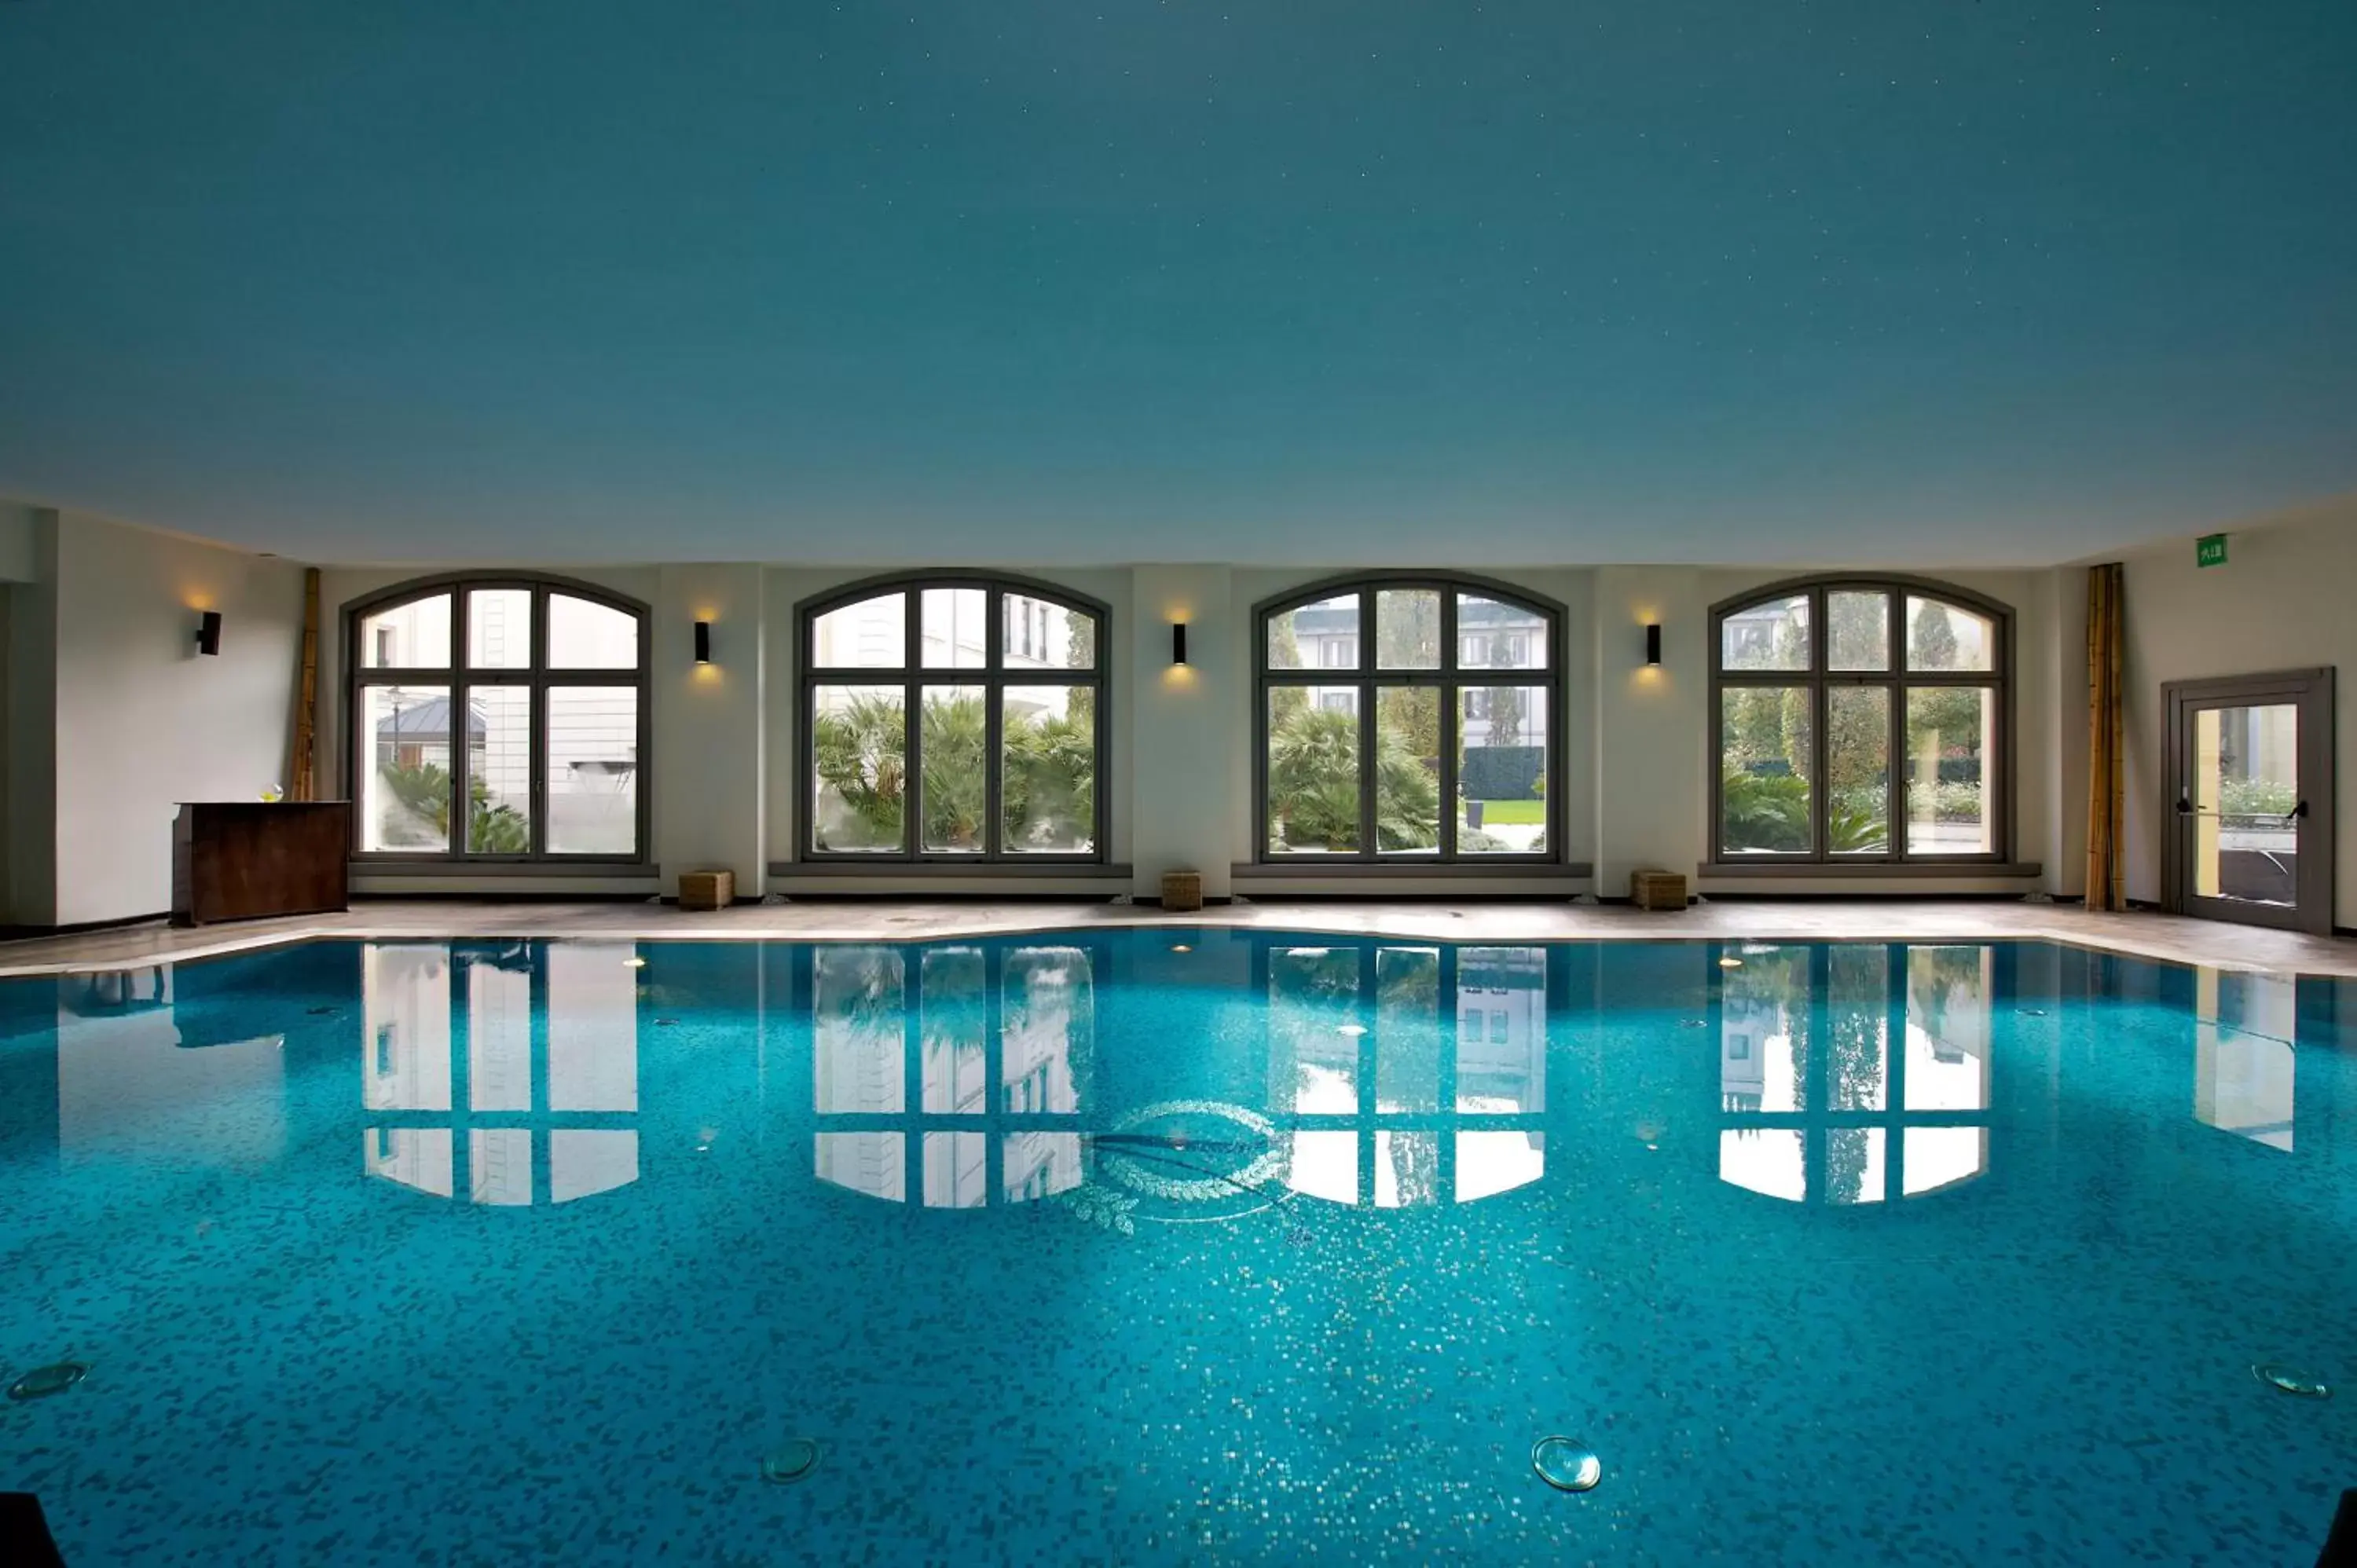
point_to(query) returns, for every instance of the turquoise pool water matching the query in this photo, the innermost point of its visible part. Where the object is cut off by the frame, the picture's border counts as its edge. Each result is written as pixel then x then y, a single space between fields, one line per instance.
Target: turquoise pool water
pixel 1179 1246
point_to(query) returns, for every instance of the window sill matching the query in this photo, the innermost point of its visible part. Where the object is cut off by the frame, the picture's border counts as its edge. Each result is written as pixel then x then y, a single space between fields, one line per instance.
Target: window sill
pixel 1414 870
pixel 1872 870
pixel 982 870
pixel 439 866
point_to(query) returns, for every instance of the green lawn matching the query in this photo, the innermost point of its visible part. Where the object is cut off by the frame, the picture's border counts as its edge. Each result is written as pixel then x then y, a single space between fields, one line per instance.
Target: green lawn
pixel 1514 814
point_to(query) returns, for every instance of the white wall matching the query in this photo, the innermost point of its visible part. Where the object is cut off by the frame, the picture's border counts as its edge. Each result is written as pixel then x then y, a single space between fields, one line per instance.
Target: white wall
pixel 1183 723
pixel 2283 601
pixel 143 720
pixel 1652 783
pixel 711 807
pixel 113 718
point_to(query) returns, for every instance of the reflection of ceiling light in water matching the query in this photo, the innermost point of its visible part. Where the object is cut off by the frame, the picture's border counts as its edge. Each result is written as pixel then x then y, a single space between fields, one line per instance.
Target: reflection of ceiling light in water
pixel 1180 947
pixel 634 962
pixel 1566 1463
pixel 1353 1030
pixel 42 1381
pixel 2284 1378
pixel 790 1463
pixel 1730 961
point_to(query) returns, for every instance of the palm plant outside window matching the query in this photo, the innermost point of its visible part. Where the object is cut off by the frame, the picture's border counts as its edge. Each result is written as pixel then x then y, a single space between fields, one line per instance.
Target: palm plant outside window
pixel 953 719
pixel 1861 721
pixel 1408 718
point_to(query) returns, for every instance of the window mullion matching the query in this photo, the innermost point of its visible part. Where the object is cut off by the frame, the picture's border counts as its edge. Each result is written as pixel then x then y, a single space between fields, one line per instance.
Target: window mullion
pixel 1894 782
pixel 538 764
pixel 994 766
pixel 1448 719
pixel 912 779
pixel 994 712
pixel 460 711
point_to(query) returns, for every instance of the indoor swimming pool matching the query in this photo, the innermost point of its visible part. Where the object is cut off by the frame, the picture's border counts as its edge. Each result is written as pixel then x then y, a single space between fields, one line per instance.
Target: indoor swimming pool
pixel 1175 1246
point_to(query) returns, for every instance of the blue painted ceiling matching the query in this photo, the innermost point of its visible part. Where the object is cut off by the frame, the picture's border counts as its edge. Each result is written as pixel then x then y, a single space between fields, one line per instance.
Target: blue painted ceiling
pixel 1897 281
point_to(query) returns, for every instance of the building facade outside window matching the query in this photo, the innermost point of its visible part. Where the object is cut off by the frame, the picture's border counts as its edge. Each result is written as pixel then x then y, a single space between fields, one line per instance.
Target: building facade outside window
pixel 1407 717
pixel 497 718
pixel 1861 721
pixel 953 719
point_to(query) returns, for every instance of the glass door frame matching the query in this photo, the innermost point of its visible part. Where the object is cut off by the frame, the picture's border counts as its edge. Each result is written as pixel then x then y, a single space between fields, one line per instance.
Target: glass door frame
pixel 2310 693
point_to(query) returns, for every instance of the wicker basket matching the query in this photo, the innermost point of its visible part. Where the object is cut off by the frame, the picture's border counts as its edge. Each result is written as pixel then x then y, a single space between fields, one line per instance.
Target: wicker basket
pixel 1657 890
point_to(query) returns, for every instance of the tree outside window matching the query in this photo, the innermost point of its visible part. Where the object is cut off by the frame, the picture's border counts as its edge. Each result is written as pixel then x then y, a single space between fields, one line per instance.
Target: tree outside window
pixel 1401 742
pixel 953 719
pixel 1857 722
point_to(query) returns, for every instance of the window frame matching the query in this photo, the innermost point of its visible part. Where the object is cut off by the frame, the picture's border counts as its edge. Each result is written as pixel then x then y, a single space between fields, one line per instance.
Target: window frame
pixel 538 676
pixel 1896 679
pixel 1450 679
pixel 994 675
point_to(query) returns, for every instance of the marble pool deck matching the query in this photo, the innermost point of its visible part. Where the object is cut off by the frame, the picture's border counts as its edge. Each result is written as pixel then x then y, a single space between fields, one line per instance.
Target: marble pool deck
pixel 2153 936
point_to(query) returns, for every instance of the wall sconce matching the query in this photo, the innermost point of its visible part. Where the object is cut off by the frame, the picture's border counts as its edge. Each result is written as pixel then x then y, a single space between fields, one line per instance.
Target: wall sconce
pixel 209 632
pixel 704 642
pixel 1653 642
pixel 1178 642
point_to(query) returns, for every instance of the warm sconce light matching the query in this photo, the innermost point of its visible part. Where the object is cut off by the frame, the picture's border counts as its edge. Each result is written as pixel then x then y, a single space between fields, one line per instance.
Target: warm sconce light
pixel 1178 642
pixel 1653 642
pixel 209 632
pixel 704 642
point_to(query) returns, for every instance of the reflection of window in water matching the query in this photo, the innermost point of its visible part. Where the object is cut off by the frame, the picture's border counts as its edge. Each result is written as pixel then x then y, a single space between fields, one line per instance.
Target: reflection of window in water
pixel 1948 1029
pixel 1808 1079
pixel 858 1048
pixel 946 1150
pixel 1438 1088
pixel 2242 1057
pixel 955 1014
pixel 511 1157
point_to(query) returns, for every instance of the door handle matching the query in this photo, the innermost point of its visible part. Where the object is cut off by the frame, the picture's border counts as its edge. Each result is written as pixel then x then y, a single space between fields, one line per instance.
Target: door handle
pixel 2184 807
pixel 2295 813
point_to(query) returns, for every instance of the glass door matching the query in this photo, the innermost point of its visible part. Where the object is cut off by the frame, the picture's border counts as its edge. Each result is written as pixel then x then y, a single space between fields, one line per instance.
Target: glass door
pixel 2249 826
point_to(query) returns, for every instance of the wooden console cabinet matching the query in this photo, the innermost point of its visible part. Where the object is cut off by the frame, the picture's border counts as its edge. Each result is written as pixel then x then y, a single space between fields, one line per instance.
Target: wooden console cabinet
pixel 244 860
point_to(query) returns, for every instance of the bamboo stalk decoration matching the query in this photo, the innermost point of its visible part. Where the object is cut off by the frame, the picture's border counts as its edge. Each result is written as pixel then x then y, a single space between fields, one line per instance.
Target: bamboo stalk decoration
pixel 299 762
pixel 2106 767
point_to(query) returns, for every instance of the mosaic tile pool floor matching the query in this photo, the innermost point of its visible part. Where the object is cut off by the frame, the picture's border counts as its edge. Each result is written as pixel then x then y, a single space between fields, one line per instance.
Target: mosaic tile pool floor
pixel 1177 1246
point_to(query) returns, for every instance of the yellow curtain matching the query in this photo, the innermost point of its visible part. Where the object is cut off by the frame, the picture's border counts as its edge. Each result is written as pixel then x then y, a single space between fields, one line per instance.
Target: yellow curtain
pixel 2106 881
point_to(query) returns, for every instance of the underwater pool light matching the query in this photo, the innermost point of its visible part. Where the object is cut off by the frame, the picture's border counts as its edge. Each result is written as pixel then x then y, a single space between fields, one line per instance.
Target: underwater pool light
pixel 1566 1463
pixel 793 1463
pixel 1353 1030
pixel 2284 1378
pixel 54 1378
pixel 634 962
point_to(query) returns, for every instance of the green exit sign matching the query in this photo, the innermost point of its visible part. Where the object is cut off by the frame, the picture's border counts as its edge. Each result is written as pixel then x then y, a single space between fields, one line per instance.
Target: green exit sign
pixel 2209 551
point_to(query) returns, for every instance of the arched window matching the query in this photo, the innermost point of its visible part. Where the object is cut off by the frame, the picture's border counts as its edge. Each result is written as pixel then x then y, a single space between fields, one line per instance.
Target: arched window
pixel 1408 718
pixel 1861 721
pixel 498 718
pixel 953 719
